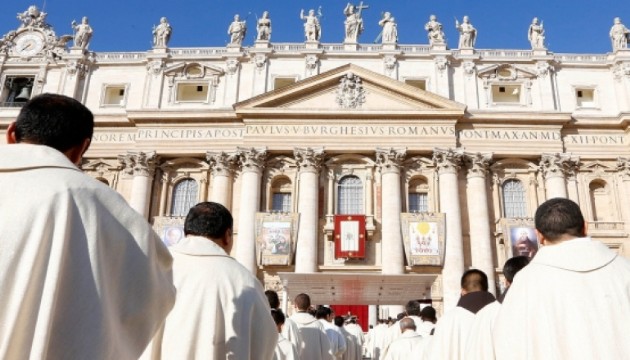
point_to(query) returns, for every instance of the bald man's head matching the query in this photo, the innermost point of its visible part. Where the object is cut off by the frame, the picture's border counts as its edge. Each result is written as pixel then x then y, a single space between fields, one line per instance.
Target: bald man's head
pixel 407 324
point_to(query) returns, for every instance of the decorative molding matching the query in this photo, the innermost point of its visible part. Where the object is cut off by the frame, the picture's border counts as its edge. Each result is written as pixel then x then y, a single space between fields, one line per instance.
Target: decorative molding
pixel 448 160
pixel 469 68
pixel 478 164
pixel 309 159
pixel 558 164
pixel 222 163
pixel 232 66
pixel 155 67
pixel 252 159
pixel 350 93
pixel 390 62
pixel 138 163
pixel 260 60
pixel 623 167
pixel 441 63
pixel 389 160
pixel 311 62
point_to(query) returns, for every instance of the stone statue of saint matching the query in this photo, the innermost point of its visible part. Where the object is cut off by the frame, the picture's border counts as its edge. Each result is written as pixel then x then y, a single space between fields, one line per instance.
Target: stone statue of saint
pixel 390 29
pixel 312 29
pixel 353 23
pixel 434 31
pixel 237 31
pixel 536 35
pixel 467 33
pixel 32 17
pixel 82 33
pixel 264 27
pixel 619 35
pixel 162 33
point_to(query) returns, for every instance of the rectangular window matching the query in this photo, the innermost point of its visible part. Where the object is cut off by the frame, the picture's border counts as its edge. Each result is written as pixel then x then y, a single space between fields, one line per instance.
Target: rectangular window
pixel 417 83
pixel 418 202
pixel 192 92
pixel 114 95
pixel 281 202
pixel 16 90
pixel 506 94
pixel 281 82
pixel 585 98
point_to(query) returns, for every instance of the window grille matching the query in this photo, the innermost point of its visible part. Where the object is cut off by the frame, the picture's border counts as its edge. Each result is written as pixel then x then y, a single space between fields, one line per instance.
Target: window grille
pixel 350 195
pixel 418 202
pixel 514 199
pixel 281 202
pixel 184 197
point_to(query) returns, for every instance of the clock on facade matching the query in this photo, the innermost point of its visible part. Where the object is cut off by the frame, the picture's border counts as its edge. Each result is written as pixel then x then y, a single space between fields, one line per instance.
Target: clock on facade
pixel 28 43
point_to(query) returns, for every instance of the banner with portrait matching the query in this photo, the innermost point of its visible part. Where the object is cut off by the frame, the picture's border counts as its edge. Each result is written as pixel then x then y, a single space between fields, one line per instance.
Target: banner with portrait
pixel 520 236
pixel 170 229
pixel 423 238
pixel 276 234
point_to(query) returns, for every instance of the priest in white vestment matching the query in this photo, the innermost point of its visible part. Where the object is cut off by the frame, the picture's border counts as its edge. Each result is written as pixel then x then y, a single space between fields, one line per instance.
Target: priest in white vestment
pixel 453 329
pixel 573 299
pixel 285 350
pixel 337 341
pixel 353 352
pixel 82 274
pixel 314 342
pixel 221 311
pixel 289 328
pixel 480 345
pixel 355 329
pixel 378 339
pixel 427 314
pixel 408 346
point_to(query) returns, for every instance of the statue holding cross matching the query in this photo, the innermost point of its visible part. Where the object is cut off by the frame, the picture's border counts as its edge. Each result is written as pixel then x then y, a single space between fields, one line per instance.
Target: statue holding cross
pixel 354 22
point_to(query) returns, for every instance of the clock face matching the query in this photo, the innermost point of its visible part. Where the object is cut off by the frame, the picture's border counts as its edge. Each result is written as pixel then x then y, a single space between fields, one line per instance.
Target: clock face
pixel 28 44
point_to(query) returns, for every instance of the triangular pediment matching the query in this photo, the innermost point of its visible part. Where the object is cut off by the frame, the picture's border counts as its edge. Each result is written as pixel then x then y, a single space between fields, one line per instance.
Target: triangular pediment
pixel 352 90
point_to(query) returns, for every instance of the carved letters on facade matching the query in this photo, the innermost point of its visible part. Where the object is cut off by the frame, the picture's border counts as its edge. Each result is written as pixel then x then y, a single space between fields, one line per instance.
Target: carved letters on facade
pixel 350 93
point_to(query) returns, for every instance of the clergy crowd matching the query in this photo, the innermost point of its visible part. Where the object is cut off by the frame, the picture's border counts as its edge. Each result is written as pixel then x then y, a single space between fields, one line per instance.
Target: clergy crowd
pixel 83 276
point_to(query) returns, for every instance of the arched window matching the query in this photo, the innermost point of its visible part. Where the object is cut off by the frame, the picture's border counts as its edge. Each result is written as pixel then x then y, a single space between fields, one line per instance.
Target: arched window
pixel 600 201
pixel 514 199
pixel 281 195
pixel 418 195
pixel 350 194
pixel 184 197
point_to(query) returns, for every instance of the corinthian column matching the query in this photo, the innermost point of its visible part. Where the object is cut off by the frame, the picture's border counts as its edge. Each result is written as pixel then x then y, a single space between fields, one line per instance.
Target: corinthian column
pixel 140 165
pixel 476 191
pixel 309 162
pixel 623 167
pixel 223 166
pixel 389 161
pixel 448 163
pixel 554 167
pixel 252 162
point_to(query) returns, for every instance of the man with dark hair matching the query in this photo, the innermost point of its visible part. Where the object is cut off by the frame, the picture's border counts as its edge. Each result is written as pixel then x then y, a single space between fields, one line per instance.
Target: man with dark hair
pixel 353 351
pixel 453 329
pixel 221 311
pixel 82 275
pixel 289 328
pixel 314 341
pixel 337 341
pixel 427 314
pixel 573 299
pixel 410 345
pixel 511 267
pixel 285 350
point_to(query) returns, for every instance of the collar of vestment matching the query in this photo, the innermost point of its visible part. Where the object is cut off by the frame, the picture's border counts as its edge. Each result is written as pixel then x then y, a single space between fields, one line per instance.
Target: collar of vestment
pixel 409 333
pixel 303 318
pixel 580 254
pixel 198 246
pixel 476 301
pixel 27 156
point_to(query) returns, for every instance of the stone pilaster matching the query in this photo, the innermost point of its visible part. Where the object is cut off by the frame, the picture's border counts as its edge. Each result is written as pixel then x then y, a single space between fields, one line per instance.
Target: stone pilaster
pixel 223 165
pixel 140 165
pixel 480 234
pixel 448 163
pixel 389 161
pixel 554 167
pixel 309 163
pixel 623 168
pixel 252 161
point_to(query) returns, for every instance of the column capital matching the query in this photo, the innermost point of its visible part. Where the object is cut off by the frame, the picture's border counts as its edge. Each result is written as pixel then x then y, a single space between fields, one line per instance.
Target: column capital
pixel 252 159
pixel 222 163
pixel 559 165
pixel 477 164
pixel 623 167
pixel 447 160
pixel 138 163
pixel 390 159
pixel 309 159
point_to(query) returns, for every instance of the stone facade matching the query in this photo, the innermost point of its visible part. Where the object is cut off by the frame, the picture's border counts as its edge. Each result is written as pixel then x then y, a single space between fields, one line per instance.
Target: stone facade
pixel 462 128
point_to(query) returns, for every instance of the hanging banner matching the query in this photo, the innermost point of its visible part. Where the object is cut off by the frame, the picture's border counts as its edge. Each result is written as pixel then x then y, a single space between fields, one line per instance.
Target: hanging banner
pixel 349 236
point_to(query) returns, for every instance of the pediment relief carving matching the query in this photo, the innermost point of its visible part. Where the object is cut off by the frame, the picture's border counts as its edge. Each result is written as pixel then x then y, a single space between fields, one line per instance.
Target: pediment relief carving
pixel 597 167
pixel 506 72
pixel 193 70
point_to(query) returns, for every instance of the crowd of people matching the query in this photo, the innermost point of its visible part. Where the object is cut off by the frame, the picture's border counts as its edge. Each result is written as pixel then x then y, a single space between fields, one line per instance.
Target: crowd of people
pixel 83 276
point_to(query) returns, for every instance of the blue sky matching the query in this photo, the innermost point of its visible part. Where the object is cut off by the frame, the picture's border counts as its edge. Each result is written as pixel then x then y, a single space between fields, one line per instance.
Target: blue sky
pixel 578 26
